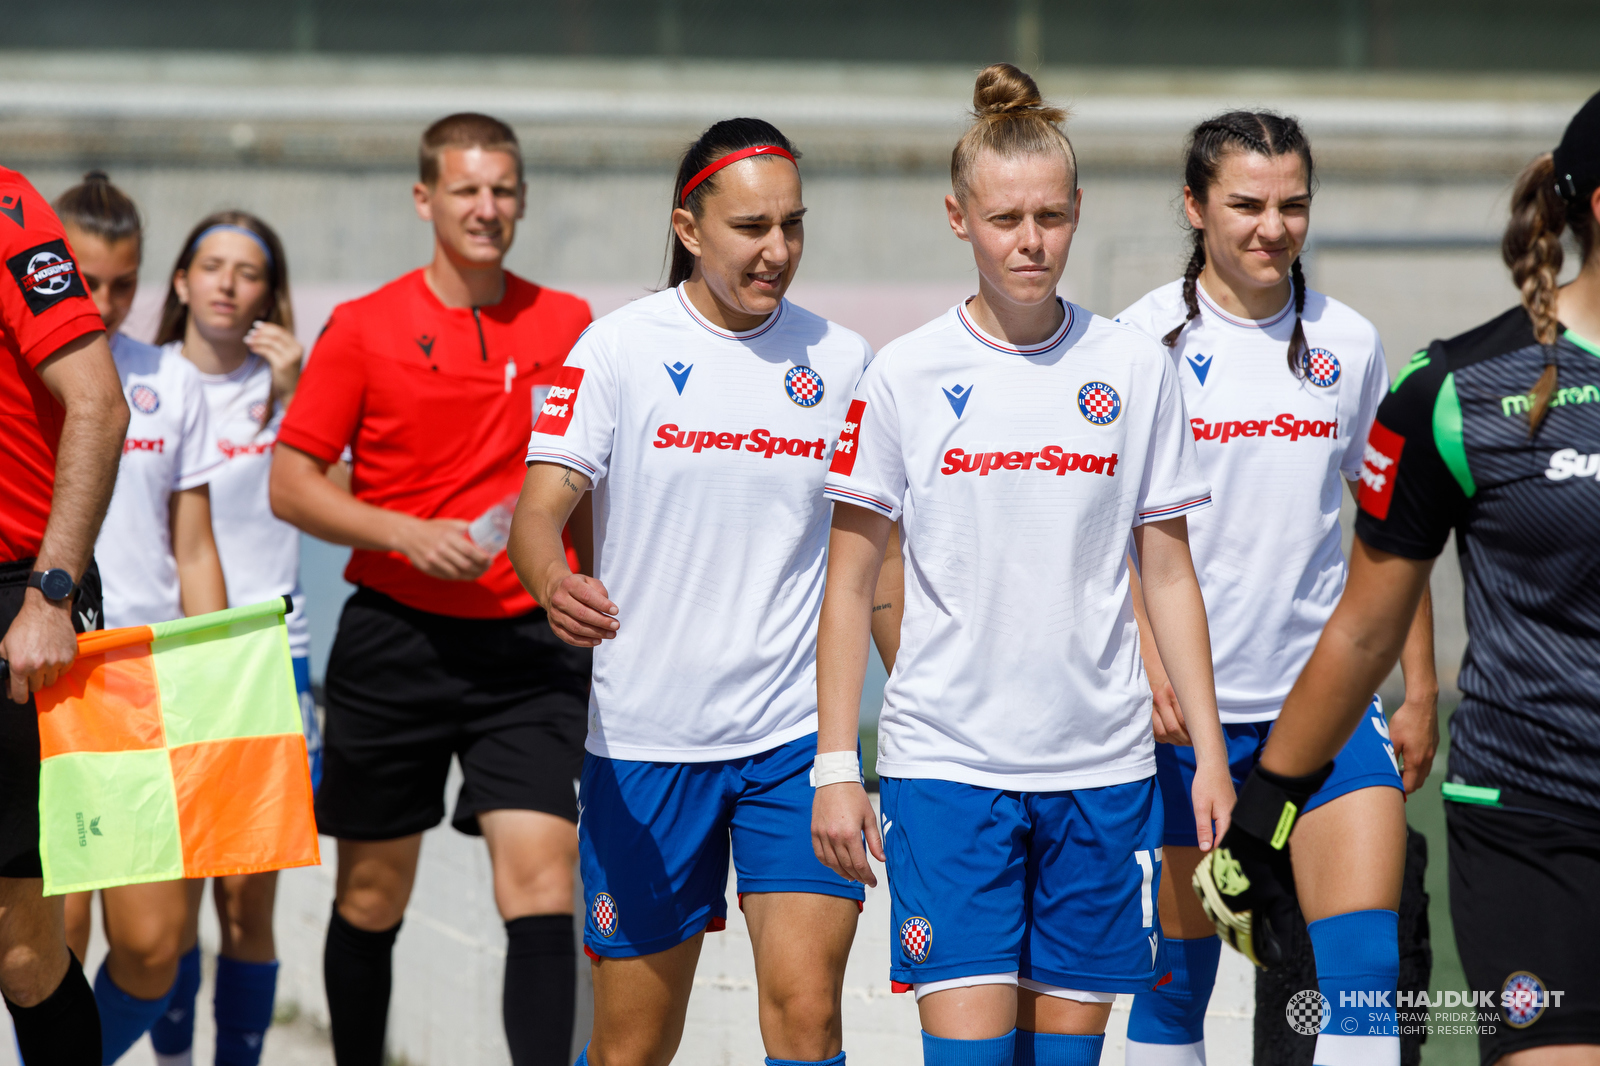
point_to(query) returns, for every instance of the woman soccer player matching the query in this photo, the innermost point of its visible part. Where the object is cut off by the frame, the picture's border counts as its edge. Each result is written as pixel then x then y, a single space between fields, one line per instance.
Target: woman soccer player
pixel 1495 434
pixel 1281 385
pixel 228 313
pixel 1018 440
pixel 702 417
pixel 158 561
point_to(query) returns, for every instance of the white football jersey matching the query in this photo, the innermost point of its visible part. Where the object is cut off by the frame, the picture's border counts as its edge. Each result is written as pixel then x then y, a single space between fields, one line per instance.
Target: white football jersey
pixel 1275 449
pixel 707 451
pixel 1017 475
pixel 260 553
pixel 168 448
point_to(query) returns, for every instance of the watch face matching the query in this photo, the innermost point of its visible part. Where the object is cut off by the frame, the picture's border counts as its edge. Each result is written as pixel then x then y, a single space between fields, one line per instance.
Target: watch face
pixel 55 584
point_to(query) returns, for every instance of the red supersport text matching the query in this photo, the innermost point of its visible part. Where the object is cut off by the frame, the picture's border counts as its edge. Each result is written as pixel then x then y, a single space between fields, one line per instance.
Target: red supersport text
pixel 1051 457
pixel 760 440
pixel 230 449
pixel 144 444
pixel 1285 425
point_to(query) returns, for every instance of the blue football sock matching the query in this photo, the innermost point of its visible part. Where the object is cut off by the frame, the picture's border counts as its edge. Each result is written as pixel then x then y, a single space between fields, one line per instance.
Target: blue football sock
pixel 173 1032
pixel 1058 1049
pixel 245 992
pixel 939 1051
pixel 1175 1014
pixel 1358 968
pixel 123 1018
pixel 837 1060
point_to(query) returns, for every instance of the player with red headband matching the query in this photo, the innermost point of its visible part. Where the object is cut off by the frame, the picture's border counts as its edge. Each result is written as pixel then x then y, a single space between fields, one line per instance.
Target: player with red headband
pixel 702 417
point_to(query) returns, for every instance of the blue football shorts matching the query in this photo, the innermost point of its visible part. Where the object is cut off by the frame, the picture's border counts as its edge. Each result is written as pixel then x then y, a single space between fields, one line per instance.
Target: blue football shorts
pixel 1057 887
pixel 1367 759
pixel 308 717
pixel 653 839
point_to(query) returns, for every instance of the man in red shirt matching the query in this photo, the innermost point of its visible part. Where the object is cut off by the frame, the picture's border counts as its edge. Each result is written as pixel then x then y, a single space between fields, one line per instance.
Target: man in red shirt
pixel 432 382
pixel 62 419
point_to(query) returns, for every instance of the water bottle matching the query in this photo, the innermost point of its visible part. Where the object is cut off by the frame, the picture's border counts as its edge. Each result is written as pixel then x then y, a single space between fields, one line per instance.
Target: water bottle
pixel 492 529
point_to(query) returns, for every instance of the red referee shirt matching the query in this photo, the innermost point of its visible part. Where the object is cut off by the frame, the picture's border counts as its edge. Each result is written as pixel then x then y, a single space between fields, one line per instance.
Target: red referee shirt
pixel 43 307
pixel 436 405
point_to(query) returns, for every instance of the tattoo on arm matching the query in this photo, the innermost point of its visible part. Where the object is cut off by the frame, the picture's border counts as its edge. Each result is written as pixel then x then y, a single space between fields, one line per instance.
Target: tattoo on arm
pixel 566 479
pixel 881 607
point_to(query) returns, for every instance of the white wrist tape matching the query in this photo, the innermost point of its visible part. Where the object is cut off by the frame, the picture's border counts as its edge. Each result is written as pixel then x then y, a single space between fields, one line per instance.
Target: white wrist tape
pixel 836 767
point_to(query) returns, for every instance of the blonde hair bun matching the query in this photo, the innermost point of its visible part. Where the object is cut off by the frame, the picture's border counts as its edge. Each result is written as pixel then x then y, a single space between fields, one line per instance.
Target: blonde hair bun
pixel 1002 91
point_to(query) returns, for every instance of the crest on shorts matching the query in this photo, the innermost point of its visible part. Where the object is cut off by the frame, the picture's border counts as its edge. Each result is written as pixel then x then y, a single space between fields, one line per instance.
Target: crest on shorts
pixel 604 912
pixel 1322 367
pixel 1523 999
pixel 916 938
pixel 144 399
pixel 1099 403
pixel 803 385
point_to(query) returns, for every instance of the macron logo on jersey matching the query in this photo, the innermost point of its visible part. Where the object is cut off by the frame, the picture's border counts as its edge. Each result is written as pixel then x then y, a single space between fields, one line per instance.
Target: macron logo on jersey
pixel 1201 365
pixel 958 397
pixel 1285 425
pixel 679 375
pixel 556 414
pixel 1379 465
pixel 1050 457
pixel 844 453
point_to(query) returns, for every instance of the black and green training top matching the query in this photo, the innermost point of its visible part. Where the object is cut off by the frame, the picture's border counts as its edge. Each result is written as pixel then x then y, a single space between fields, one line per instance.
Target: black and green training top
pixel 1451 450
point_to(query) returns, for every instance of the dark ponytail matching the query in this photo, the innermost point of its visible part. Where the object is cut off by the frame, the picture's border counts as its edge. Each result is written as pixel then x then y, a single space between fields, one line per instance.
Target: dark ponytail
pixel 99 208
pixel 1531 247
pixel 726 136
pixel 1264 133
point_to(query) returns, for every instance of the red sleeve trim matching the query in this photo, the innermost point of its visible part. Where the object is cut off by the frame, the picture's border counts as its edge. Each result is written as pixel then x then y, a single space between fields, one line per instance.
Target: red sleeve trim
pixel 317 448
pixel 79 325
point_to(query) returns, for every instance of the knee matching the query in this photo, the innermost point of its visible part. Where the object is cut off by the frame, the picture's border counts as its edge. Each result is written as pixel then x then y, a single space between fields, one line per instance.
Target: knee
pixel 151 949
pixel 631 1053
pixel 809 1019
pixel 29 972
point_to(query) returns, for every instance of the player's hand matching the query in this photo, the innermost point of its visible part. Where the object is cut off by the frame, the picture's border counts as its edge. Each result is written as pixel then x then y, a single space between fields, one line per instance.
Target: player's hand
pixel 841 815
pixel 1246 882
pixel 580 612
pixel 39 646
pixel 440 548
pixel 283 354
pixel 1166 717
pixel 1213 799
pixel 1414 732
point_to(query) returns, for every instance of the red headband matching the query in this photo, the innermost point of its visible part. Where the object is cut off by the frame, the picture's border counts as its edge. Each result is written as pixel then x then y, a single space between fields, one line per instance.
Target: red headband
pixel 732 157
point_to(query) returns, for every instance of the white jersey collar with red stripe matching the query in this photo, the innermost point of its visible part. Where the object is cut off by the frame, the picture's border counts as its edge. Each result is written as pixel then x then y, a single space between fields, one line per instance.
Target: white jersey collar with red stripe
pixel 747 335
pixel 1244 323
pixel 990 341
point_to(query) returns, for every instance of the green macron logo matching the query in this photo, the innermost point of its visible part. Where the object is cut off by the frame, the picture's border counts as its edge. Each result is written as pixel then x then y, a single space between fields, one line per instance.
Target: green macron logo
pixel 1511 406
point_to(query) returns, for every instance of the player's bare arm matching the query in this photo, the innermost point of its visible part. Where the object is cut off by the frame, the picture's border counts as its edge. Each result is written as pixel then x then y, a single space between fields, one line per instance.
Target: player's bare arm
pixel 580 611
pixel 1177 616
pixel 1358 648
pixel 304 496
pixel 200 582
pixel 40 643
pixel 1166 715
pixel 889 602
pixel 841 812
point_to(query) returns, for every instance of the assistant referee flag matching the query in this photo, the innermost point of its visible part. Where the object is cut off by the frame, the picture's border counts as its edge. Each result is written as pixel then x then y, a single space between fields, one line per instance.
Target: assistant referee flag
pixel 175 750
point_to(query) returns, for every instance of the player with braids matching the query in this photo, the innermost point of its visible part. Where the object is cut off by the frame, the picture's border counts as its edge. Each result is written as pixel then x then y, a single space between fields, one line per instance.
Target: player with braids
pixel 1275 443
pixel 1020 443
pixel 1461 444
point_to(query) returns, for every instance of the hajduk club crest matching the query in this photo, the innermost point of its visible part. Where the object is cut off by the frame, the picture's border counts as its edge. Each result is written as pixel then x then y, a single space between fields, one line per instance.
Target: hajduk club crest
pixel 1099 403
pixel 916 938
pixel 1322 367
pixel 604 912
pixel 145 400
pixel 803 385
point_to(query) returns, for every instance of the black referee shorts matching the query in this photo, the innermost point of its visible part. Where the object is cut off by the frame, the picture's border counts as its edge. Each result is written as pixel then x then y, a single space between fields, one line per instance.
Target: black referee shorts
pixel 1523 879
pixel 19 729
pixel 407 689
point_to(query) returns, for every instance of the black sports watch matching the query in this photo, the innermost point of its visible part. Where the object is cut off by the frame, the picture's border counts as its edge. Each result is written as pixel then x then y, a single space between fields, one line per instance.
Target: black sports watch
pixel 57 585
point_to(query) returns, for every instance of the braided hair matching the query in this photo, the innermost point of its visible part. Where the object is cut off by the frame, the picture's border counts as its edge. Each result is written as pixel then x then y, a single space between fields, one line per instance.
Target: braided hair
pixel 1263 133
